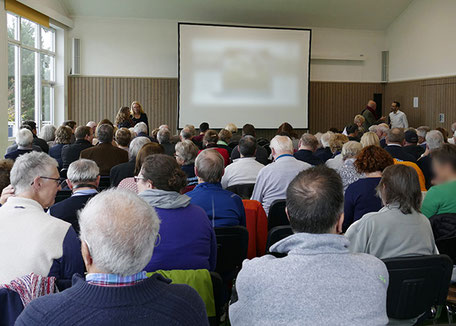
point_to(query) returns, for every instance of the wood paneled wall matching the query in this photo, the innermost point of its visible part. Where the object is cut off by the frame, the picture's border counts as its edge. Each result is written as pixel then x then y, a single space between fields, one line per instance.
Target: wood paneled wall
pixel 332 104
pixel 435 96
pixel 97 98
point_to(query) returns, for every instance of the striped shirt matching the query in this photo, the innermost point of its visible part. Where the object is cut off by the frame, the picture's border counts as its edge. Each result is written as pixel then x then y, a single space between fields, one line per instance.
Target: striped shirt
pixel 115 280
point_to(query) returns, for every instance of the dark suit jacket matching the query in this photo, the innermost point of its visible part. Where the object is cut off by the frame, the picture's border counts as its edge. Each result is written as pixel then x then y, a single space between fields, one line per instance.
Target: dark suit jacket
pixel 42 143
pixel 260 156
pixel 307 156
pixel 324 154
pixel 169 148
pixel 18 152
pixel 425 164
pixel 415 150
pixel 383 143
pixel 122 171
pixel 67 209
pixel 399 154
pixel 106 156
pixel 71 153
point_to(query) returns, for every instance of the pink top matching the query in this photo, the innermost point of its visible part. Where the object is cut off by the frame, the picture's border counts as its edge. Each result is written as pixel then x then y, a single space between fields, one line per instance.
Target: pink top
pixel 129 184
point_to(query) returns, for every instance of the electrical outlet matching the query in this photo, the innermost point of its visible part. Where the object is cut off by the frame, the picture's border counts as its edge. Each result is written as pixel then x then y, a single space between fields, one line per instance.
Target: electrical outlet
pixel 442 117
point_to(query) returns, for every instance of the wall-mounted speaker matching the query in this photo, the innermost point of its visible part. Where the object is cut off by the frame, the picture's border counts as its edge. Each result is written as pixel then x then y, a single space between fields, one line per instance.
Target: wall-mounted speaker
pixel 385 66
pixel 75 57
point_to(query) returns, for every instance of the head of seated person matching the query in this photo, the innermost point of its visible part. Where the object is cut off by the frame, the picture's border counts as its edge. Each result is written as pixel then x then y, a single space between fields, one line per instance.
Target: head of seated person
pixel 248 129
pixel 84 133
pixel 231 127
pixel 209 166
pixel 123 138
pixel 308 142
pixel 63 135
pixel 203 127
pixel 186 134
pixel 411 138
pixel 146 150
pixel 47 133
pixel 136 145
pixel 83 174
pixel 31 124
pixel 186 152
pixel 210 138
pixel 395 136
pixel 359 120
pixel 140 128
pixel 351 150
pixel 372 160
pixel 35 176
pixel 325 139
pixel 281 145
pixel 444 164
pixel 225 136
pixel 71 124
pixel 164 135
pixel 247 146
pixel 336 141
pixel 370 138
pixel 434 140
pixel 105 133
pixel 24 139
pixel 352 130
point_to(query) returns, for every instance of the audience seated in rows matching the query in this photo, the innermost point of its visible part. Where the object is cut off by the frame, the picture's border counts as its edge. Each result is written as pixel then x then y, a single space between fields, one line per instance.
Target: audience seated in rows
pixel 434 141
pixel 83 178
pixel 127 170
pixel 369 138
pixel 319 282
pixel 398 229
pixel 187 133
pixel 24 141
pixel 223 207
pixel 147 149
pixel 307 146
pixel 245 169
pixel 30 239
pixel 261 155
pixel 62 138
pixel 186 234
pixel 361 196
pixel 84 136
pixel 105 154
pixel 411 144
pixel 394 141
pixel 441 199
pixel 324 152
pixel 118 233
pixel 164 139
pixel 123 138
pixel 347 171
pixel 273 179
pixel 186 153
pixel 336 141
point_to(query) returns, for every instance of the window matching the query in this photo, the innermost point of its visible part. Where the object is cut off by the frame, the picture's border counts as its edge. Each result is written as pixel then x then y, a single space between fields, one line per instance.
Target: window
pixel 31 72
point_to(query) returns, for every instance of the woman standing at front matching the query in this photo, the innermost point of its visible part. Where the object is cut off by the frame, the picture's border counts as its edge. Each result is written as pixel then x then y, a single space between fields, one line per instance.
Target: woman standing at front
pixel 138 115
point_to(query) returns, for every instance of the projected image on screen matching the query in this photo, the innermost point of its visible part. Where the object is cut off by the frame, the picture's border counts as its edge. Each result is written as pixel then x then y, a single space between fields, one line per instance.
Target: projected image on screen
pixel 240 75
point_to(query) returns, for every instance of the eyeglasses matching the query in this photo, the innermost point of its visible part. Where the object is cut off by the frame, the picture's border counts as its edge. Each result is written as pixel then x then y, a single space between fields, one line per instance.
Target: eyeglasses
pixel 139 178
pixel 57 180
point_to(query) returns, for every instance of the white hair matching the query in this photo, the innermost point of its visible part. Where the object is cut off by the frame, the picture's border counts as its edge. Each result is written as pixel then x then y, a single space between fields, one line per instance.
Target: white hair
pixel 383 127
pixel 324 140
pixel 24 138
pixel 351 149
pixel 136 145
pixel 83 170
pixel 120 230
pixel 48 132
pixel 281 144
pixel 140 127
pixel 91 124
pixel 132 132
pixel 373 128
pixel 422 131
pixel 434 139
pixel 29 166
pixel 163 135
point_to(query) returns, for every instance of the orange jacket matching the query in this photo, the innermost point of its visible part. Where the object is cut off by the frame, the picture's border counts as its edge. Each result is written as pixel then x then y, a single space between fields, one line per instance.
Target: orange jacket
pixel 257 225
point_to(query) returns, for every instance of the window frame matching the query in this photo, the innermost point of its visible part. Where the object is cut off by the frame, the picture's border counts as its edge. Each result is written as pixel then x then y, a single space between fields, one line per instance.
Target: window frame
pixel 40 82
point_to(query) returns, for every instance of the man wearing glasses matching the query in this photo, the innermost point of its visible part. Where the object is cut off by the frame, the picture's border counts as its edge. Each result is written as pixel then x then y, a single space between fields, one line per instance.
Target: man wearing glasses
pixel 30 239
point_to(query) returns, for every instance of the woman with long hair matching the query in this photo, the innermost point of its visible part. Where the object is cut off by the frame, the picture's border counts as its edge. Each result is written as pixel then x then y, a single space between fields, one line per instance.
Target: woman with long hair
pixel 123 118
pixel 138 115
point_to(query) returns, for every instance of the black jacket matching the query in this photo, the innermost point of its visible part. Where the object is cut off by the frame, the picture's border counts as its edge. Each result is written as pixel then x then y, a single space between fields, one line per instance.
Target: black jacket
pixel 399 154
pixel 308 157
pixel 70 153
pixel 443 226
pixel 122 171
pixel 324 154
pixel 415 150
pixel 260 156
pixel 42 143
pixel 425 164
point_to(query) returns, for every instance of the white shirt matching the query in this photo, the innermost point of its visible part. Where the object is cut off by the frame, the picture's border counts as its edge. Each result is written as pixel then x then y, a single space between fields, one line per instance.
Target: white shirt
pixel 335 163
pixel 243 170
pixel 398 119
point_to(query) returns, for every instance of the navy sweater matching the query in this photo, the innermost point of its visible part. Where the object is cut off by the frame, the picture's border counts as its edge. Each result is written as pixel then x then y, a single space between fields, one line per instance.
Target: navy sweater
pixel 150 302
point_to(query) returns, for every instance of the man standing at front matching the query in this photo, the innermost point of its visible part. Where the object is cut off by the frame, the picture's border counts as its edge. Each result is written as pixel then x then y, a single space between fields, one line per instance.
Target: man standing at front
pixel 320 282
pixel 398 119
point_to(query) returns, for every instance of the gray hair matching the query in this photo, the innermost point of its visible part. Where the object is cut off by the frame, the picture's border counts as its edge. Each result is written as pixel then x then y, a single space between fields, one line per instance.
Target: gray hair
pixel 83 170
pixel 140 127
pixel 186 133
pixel 192 129
pixel 120 230
pixel 48 132
pixel 187 151
pixel 163 135
pixel 373 128
pixel 282 144
pixel 324 140
pixel 136 145
pixel 29 166
pixel 210 165
pixel 351 149
pixel 24 138
pixel 105 133
pixel 309 140
pixel 434 139
pixel 422 131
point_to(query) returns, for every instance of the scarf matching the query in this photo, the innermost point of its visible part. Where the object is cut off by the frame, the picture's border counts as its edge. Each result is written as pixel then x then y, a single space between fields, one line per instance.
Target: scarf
pixel 165 199
pixel 31 286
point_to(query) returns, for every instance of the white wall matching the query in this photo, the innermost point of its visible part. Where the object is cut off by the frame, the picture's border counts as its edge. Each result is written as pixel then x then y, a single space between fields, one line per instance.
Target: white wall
pixel 421 41
pixel 148 48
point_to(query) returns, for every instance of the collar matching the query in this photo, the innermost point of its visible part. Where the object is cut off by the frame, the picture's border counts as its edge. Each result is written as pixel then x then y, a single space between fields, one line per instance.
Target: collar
pixel 23 203
pixel 283 155
pixel 245 159
pixel 85 192
pixel 209 185
pixel 312 244
pixel 221 142
pixel 397 145
pixel 115 280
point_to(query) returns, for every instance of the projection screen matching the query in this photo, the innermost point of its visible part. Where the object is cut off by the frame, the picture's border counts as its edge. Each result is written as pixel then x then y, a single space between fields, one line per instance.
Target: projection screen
pixel 243 75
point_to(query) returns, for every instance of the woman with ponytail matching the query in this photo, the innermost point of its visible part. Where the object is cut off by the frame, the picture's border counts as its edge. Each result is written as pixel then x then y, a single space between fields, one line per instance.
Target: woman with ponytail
pixel 186 239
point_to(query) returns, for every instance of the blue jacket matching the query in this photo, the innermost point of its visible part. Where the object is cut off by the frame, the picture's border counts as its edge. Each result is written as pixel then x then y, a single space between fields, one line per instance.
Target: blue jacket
pixel 223 207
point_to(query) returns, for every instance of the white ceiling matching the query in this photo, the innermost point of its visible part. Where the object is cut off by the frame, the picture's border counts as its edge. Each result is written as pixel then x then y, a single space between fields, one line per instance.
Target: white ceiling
pixel 356 14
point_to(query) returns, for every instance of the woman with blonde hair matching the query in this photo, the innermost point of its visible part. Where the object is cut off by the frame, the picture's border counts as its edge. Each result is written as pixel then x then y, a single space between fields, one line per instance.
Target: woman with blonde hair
pixel 138 115
pixel 123 118
pixel 370 138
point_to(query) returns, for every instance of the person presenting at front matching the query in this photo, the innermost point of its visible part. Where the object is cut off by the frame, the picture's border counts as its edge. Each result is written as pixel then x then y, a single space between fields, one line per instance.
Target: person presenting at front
pixel 398 119
pixel 319 282
pixel 186 233
pixel 441 199
pixel 118 234
pixel 398 229
pixel 370 115
pixel 32 241
pixel 273 179
pixel 138 114
pixel 223 207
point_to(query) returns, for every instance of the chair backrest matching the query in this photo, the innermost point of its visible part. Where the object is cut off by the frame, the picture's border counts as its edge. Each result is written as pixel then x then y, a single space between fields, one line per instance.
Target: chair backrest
pixel 219 298
pixel 447 247
pixel 232 245
pixel 277 215
pixel 276 234
pixel 105 182
pixel 244 191
pixel 62 195
pixel 443 226
pixel 416 284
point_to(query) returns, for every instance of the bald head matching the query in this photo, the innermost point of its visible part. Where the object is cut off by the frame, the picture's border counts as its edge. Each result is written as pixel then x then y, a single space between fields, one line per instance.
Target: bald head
pixel 210 166
pixel 372 104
